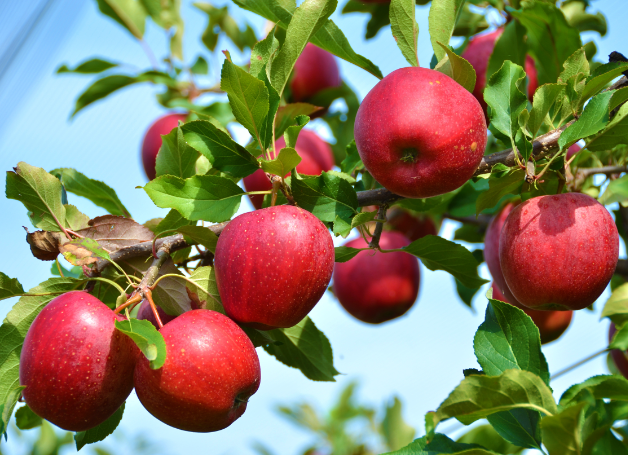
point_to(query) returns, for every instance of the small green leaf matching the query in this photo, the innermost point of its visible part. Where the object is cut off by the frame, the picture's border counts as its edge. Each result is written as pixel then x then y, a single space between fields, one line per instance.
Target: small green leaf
pixel 397 433
pixel 599 387
pixel 595 117
pixel 40 193
pixel 287 115
pixel 91 66
pixel 83 251
pixel 130 14
pixel 9 287
pixel 615 133
pixel 202 197
pixel 345 253
pixel 96 191
pixel 200 66
pixel 200 235
pixel 173 221
pixel 99 432
pixel 206 289
pixel 363 218
pixel 74 219
pixel 223 153
pixel 437 253
pixel 147 338
pixel 306 348
pixel 26 419
pixel 352 161
pixel 292 132
pixel 101 88
pixel 284 163
pixel 498 188
pixel 457 68
pixel 442 21
pixel 544 98
pixel 620 339
pixel 175 156
pixel 405 30
pixel 620 96
pixel 601 77
pixel 616 307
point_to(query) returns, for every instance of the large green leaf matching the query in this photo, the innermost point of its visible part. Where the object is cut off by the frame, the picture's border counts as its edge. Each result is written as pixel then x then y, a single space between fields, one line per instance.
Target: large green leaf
pixel 442 21
pixel 306 348
pixel 223 153
pixel 437 253
pixel 601 77
pixel 175 156
pixel 326 196
pixel 41 194
pixel 595 117
pixel 147 339
pixel 405 30
pixel 599 387
pixel 202 197
pixel 96 191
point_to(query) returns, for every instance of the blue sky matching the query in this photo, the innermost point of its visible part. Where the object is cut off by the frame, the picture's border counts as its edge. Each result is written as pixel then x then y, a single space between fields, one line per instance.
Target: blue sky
pixel 419 357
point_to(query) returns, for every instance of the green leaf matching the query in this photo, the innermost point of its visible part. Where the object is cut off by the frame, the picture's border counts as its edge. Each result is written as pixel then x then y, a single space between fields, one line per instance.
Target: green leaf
pixel 9 287
pixel 577 63
pixel 477 397
pixel 601 77
pixel 578 18
pixel 74 219
pixel 594 118
pixel 306 348
pixel 83 251
pixel 616 307
pixel 345 253
pixel 147 338
pixel 616 191
pixel 200 66
pixel 287 115
pixel 173 221
pixel 307 19
pixel 202 197
pixel 249 100
pixel 599 387
pixel 457 68
pixel 206 289
pixel 437 253
pixel 292 132
pixel 175 156
pixel 442 21
pixel 440 445
pixel 425 205
pixel 128 13
pixel 101 88
pixel 397 433
pixel 562 432
pixel 489 438
pixel 405 30
pixel 17 323
pixel 96 191
pixel 510 46
pixel 498 188
pixel 217 146
pixel 101 431
pixel 352 161
pixel 41 194
pixel 284 163
pixel 200 235
pixel 326 196
pixel 544 98
pixel 620 339
pixel 620 96
pixel 91 66
pixel 615 133
pixel 261 53
pixel 363 218
pixel 328 37
pixel 545 24
pixel 26 419
pixel 7 407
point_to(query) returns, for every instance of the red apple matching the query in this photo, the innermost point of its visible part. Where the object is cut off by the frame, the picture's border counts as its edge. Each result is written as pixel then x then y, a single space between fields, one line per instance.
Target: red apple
pixel 619 357
pixel 552 324
pixel 478 53
pixel 77 368
pixel 376 287
pixel 273 265
pixel 413 227
pixel 571 151
pixel 316 157
pixel 146 312
pixel 558 252
pixel 420 133
pixel 315 70
pixel 152 140
pixel 211 370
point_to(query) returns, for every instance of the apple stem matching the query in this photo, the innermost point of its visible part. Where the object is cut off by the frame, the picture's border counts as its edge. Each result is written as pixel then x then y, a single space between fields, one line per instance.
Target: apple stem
pixel 381 219
pixel 134 300
pixel 149 296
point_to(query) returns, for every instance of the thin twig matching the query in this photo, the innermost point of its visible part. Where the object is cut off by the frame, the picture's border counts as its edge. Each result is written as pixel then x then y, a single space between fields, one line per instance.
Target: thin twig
pixel 577 364
pixel 381 216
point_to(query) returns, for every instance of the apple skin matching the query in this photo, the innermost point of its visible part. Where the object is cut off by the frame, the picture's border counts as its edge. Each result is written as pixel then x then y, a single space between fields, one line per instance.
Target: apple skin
pixel 413 227
pixel 552 324
pixel 376 287
pixel 478 53
pixel 152 140
pixel 316 157
pixel 619 357
pixel 571 151
pixel 420 133
pixel 77 368
pixel 146 313
pixel 315 70
pixel 272 266
pixel 211 370
pixel 558 252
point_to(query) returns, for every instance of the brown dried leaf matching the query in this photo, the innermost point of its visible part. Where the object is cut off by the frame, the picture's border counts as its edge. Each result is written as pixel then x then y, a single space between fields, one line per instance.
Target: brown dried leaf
pixel 116 232
pixel 77 254
pixel 45 244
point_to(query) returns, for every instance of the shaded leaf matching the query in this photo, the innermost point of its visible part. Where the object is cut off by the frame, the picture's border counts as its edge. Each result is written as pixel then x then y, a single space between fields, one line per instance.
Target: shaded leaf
pixel 498 188
pixel 128 13
pixel 100 432
pixel 457 68
pixel 397 433
pixel 206 293
pixel 175 156
pixel 200 235
pixel 26 419
pixel 147 338
pixel 115 232
pixel 562 432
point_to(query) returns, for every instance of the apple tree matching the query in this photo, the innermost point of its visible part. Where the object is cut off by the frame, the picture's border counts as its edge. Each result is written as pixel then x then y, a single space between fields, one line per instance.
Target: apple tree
pixel 519 134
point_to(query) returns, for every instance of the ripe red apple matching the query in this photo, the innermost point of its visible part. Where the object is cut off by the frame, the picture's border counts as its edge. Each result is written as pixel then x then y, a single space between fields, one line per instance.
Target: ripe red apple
pixel 77 368
pixel 152 140
pixel 420 133
pixel 619 357
pixel 478 53
pixel 316 157
pixel 376 287
pixel 272 266
pixel 413 227
pixel 558 252
pixel 552 324
pixel 571 151
pixel 314 70
pixel 211 370
pixel 146 312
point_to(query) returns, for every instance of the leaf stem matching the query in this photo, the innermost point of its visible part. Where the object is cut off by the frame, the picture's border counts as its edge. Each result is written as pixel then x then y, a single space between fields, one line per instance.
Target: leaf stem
pixel 149 296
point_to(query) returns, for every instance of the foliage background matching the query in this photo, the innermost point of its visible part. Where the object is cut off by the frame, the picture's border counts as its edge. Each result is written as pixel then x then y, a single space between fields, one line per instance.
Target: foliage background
pixel 419 357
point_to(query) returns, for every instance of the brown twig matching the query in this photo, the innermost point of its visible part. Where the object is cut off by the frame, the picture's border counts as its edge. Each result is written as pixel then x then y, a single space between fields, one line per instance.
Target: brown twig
pixel 381 216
